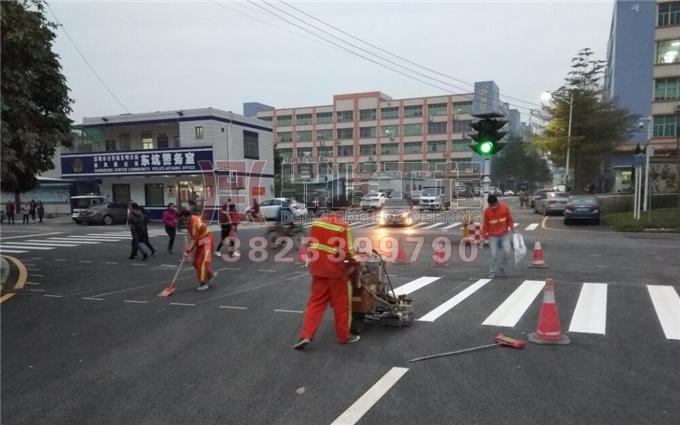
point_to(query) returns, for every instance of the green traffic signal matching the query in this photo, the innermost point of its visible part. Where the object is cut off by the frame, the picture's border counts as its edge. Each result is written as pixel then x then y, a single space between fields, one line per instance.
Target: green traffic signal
pixel 487 140
pixel 486 147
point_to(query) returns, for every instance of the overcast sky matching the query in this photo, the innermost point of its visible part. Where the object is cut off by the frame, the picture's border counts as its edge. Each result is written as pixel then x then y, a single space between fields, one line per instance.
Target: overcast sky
pixel 180 55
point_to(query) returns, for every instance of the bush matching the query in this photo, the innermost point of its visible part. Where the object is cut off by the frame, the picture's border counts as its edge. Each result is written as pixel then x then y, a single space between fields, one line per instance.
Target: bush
pixel 666 218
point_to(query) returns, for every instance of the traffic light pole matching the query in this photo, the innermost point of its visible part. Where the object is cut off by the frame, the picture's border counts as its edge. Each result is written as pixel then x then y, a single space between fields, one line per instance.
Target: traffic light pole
pixel 486 185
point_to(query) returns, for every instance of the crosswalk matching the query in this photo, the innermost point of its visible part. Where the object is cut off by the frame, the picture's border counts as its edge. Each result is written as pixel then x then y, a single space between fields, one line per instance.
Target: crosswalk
pixel 426 225
pixel 20 246
pixel 589 315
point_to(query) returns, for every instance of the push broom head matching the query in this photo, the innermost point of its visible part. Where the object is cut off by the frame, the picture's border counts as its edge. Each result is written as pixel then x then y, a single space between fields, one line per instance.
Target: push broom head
pixel 167 291
pixel 509 342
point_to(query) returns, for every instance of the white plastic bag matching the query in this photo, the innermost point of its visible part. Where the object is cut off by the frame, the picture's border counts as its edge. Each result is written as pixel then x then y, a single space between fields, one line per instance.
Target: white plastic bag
pixel 519 249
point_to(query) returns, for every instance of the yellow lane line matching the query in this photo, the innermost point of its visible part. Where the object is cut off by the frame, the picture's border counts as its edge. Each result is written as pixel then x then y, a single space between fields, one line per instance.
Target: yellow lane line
pixel 6 297
pixel 23 273
pixel 545 220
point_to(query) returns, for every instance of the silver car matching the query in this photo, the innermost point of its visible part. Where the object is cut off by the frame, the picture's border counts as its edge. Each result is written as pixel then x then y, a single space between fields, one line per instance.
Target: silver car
pixel 551 202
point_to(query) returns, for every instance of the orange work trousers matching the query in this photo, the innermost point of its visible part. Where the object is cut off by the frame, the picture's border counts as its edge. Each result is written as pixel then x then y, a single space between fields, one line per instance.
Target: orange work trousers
pixel 337 291
pixel 203 259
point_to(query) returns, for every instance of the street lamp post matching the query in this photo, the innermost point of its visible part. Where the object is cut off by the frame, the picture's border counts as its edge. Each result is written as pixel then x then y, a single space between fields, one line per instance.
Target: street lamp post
pixel 548 96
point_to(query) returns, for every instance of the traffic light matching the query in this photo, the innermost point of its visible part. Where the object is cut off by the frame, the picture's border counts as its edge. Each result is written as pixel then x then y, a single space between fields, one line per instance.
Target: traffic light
pixel 487 139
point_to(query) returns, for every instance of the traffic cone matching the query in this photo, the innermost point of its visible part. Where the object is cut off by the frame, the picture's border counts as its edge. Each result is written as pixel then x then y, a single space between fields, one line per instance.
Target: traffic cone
pixel 549 330
pixel 538 262
pixel 439 255
pixel 401 254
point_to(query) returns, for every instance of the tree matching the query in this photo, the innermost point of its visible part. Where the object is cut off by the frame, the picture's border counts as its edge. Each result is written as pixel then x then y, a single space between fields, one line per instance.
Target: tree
pixel 35 102
pixel 598 127
pixel 520 164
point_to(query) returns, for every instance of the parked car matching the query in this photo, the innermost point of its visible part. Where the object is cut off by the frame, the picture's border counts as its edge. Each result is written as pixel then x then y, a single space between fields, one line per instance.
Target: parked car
pixel 82 202
pixel 396 212
pixel 508 193
pixel 582 207
pixel 551 202
pixel 534 196
pixel 269 208
pixel 373 201
pixel 107 214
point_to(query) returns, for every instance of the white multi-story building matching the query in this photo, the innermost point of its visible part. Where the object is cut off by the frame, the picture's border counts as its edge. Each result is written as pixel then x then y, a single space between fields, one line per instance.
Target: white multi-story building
pixel 195 157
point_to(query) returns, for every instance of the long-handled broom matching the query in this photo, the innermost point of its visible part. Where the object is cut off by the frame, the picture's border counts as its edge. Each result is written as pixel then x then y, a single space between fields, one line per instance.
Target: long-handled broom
pixel 501 340
pixel 170 289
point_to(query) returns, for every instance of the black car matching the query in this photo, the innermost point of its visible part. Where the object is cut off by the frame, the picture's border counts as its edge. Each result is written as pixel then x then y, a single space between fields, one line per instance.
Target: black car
pixel 582 207
pixel 396 212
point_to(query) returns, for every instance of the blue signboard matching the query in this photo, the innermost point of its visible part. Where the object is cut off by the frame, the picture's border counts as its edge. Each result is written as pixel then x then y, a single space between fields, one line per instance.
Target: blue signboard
pixel 129 163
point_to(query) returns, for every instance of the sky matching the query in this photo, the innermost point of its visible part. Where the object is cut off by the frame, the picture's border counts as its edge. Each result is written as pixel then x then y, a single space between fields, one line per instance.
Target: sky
pixel 157 56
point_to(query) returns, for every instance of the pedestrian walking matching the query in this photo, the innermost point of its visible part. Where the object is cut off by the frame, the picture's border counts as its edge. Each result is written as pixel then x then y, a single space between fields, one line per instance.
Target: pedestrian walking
pixel 145 232
pixel 225 228
pixel 41 210
pixel 496 227
pixel 255 210
pixel 25 212
pixel 331 246
pixel 201 245
pixel 136 221
pixel 522 198
pixel 9 211
pixel 232 220
pixel 32 209
pixel 170 217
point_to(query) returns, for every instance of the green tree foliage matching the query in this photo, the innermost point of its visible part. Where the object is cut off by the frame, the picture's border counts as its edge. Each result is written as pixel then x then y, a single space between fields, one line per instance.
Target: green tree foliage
pixel 519 163
pixel 598 127
pixel 35 102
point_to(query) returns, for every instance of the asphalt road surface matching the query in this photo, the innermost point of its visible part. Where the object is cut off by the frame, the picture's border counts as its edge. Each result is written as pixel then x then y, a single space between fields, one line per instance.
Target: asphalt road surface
pixel 86 340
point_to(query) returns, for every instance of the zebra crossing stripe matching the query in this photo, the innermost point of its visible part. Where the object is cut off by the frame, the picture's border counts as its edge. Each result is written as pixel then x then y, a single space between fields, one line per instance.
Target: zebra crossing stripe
pixel 532 226
pixel 590 314
pixel 452 302
pixel 91 239
pixel 51 243
pixel 11 251
pixel 432 226
pixel 80 242
pixel 667 306
pixel 24 246
pixel 512 309
pixel 451 226
pixel 356 223
pixel 414 285
pixel 361 226
pixel 421 224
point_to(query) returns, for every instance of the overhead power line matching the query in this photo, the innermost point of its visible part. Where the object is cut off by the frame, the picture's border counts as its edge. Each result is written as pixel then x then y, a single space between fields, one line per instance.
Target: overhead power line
pixel 80 53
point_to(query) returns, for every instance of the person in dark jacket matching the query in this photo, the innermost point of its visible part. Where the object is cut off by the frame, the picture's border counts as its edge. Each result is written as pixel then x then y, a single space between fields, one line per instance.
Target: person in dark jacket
pixel 41 210
pixel 32 209
pixel 145 232
pixel 9 211
pixel 138 230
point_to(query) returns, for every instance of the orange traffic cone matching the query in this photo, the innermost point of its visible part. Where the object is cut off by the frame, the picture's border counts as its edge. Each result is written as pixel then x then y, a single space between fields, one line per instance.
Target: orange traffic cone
pixel 401 254
pixel 439 255
pixel 549 330
pixel 538 261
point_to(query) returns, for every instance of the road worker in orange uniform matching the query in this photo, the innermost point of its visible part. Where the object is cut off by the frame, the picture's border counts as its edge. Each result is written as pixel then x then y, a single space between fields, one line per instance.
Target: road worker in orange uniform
pixel 200 241
pixel 331 255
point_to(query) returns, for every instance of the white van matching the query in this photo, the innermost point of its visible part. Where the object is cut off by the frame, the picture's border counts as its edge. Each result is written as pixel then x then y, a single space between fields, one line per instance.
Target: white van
pixel 82 202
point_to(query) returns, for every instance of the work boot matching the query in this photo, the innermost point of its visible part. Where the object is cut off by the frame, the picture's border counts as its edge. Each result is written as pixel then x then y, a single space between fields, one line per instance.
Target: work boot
pixel 218 254
pixel 353 338
pixel 202 287
pixel 302 344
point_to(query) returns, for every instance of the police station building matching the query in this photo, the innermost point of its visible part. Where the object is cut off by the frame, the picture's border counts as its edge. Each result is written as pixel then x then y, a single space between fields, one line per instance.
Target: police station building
pixel 195 158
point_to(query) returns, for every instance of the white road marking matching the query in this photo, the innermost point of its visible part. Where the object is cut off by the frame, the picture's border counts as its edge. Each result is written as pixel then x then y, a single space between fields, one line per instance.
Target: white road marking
pixel 93 299
pixel 532 226
pixel 233 307
pixel 90 239
pixel 32 283
pixel 451 226
pixel 414 285
pixel 138 265
pixel 512 309
pixel 280 310
pixel 590 314
pixel 432 226
pixel 109 235
pixel 51 243
pixel 30 236
pixel 53 296
pixel 36 258
pixel 357 410
pixel 421 224
pixel 267 271
pixel 356 223
pixel 451 303
pixel 37 275
pixel 61 260
pixel 362 226
pixel 79 241
pixel 85 261
pixel 667 306
pixel 135 302
pixel 110 262
pixel 184 304
pixel 38 290
pixel 11 251
pixel 515 225
pixel 16 245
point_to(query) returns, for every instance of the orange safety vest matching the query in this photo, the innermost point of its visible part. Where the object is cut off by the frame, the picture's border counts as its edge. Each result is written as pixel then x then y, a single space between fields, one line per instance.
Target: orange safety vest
pixel 331 243
pixel 197 230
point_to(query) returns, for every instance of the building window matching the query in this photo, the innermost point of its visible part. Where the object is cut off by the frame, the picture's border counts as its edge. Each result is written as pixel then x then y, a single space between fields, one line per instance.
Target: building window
pixel 665 125
pixel 121 193
pixel 413 166
pixel 413 111
pixel 345 116
pixel 304 136
pixel 153 195
pixel 389 149
pixel 667 89
pixel 147 141
pixel 345 133
pixel 436 164
pixel 437 127
pixel 389 113
pixel 304 154
pixel 324 135
pixel 367 132
pixel 390 166
pixel 413 147
pixel 284 120
pixel 324 153
pixel 669 14
pixel 286 154
pixel 285 136
pixel 437 109
pixel 124 142
pixel 324 117
pixel 345 150
pixel 439 146
pixel 460 146
pixel 461 126
pixel 269 118
pixel 389 131
pixel 667 51
pixel 199 132
pixel 412 130
pixel 462 108
pixel 303 119
pixel 162 141
pixel 110 145
pixel 367 115
pixel 366 150
pixel 251 144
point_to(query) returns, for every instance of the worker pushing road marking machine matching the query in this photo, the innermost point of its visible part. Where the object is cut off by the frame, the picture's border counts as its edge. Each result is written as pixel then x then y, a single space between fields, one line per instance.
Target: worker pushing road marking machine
pixel 373 296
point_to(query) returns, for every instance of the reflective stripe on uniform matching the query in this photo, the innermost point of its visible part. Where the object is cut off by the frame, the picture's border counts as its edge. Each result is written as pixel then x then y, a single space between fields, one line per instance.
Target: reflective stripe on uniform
pixel 322 247
pixel 350 241
pixel 493 221
pixel 329 226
